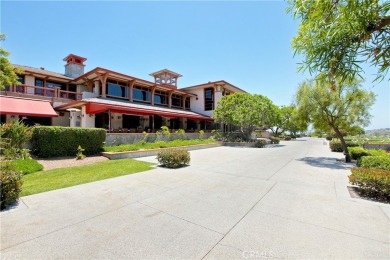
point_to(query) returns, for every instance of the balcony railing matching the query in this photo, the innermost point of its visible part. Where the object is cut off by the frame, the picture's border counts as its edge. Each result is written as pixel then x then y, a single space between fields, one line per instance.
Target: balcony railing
pixel 42 91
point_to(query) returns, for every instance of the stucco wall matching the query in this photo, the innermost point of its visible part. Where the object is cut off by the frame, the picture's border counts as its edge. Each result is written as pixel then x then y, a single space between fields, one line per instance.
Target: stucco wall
pixel 61 120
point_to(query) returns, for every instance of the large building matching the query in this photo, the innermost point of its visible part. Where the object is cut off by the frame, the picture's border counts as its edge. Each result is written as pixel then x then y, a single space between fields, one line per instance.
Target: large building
pixel 112 100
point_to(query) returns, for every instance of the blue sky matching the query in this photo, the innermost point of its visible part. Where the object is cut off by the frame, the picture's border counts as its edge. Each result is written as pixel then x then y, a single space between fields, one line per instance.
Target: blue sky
pixel 245 43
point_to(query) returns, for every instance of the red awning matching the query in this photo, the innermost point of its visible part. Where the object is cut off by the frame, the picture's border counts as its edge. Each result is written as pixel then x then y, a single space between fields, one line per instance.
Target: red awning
pixel 139 110
pixel 25 107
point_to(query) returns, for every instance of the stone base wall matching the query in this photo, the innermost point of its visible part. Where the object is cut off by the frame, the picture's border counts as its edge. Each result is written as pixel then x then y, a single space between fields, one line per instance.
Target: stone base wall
pixel 377 146
pixel 131 138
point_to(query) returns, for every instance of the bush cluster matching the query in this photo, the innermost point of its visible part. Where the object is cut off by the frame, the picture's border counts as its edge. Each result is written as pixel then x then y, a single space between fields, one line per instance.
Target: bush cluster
pixel 379 162
pixel 373 182
pixel 13 139
pixel 287 138
pixel 260 143
pixel 275 140
pixel 173 158
pixel 10 184
pixel 358 152
pixel 335 145
pixel 54 141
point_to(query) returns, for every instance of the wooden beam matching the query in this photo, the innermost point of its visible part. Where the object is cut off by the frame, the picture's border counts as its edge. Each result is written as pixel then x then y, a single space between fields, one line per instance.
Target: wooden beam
pixel 103 80
pixel 153 89
pixel 131 86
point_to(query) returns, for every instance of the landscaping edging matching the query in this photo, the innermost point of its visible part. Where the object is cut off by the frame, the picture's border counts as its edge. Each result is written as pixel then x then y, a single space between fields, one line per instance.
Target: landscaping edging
pixel 153 152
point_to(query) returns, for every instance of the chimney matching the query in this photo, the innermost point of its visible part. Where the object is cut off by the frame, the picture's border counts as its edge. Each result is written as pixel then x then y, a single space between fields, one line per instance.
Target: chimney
pixel 74 66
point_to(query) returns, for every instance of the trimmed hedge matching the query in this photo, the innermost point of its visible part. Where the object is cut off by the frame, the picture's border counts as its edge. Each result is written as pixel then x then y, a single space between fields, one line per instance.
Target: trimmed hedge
pixel 275 140
pixel 55 141
pixel 260 143
pixel 373 182
pixel 357 152
pixel 379 162
pixel 173 158
pixel 335 145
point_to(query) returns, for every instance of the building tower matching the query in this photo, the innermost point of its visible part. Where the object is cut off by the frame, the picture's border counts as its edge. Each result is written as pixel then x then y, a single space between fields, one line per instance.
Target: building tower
pixel 166 77
pixel 74 66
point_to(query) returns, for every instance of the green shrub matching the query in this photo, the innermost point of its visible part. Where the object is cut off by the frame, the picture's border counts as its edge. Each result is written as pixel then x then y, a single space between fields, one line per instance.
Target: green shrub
pixel 275 140
pixel 335 145
pixel 173 158
pixel 287 138
pixel 379 162
pixel 54 141
pixel 372 181
pixel 15 136
pixel 329 137
pixel 10 184
pixel 27 166
pixel 165 131
pixel 357 152
pixel 260 143
pixel 80 155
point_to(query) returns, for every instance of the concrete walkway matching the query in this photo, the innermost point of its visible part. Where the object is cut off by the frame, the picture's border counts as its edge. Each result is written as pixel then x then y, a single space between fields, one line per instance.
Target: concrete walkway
pixel 287 201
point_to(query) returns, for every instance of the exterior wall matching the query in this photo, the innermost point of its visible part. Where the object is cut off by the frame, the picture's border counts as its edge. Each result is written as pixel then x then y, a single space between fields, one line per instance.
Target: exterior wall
pixel 61 120
pixel 198 105
pixel 30 81
pixel 11 118
pixel 87 120
pixel 87 94
pixel 115 121
pixel 74 70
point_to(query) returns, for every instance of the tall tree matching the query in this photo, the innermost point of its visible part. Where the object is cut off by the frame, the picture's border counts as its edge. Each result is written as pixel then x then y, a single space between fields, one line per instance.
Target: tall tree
pixel 345 107
pixel 244 110
pixel 283 120
pixel 294 124
pixel 7 71
pixel 336 36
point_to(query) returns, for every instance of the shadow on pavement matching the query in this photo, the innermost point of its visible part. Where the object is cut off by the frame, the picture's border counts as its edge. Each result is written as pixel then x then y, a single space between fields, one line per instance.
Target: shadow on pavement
pixel 326 162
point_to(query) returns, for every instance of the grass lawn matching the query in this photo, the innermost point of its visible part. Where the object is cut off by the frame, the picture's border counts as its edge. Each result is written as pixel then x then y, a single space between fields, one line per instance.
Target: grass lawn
pixel 158 144
pixel 66 177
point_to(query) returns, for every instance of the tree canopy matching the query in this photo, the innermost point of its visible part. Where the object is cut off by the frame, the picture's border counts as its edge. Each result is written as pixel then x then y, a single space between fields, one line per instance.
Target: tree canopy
pixel 7 73
pixel 284 119
pixel 346 107
pixel 335 37
pixel 246 111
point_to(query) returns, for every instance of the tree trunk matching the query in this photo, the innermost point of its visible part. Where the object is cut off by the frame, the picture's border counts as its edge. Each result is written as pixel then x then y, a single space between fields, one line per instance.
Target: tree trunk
pixel 344 144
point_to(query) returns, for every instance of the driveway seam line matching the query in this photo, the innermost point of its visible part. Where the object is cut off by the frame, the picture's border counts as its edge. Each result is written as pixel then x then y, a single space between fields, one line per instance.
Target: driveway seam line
pixel 180 218
pixel 316 225
pixel 240 220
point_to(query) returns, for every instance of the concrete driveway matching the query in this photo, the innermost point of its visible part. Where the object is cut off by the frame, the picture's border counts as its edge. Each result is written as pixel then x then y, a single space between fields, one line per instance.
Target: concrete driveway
pixel 286 201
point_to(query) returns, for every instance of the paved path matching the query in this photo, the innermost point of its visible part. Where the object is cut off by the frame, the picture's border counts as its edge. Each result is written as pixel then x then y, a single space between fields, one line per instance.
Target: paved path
pixel 288 201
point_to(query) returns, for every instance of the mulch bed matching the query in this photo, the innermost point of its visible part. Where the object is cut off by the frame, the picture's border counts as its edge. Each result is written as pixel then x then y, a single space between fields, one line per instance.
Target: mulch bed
pixel 357 193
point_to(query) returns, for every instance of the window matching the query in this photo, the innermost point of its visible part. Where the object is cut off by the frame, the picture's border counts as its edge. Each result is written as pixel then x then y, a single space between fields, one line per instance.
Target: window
pixel 52 85
pixel 141 94
pixel 116 89
pixel 19 88
pixel 39 83
pixel 177 101
pixel 188 103
pixel 160 98
pixel 209 99
pixel 21 79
